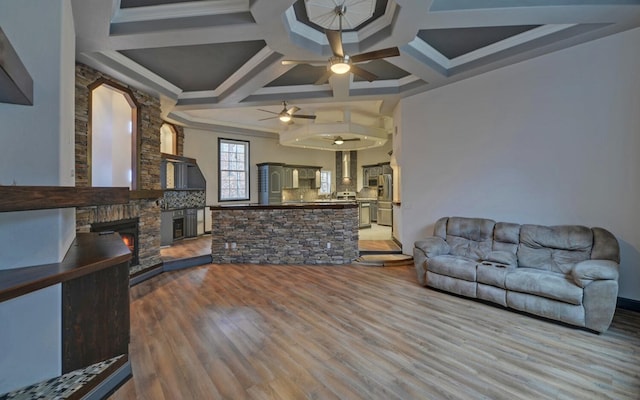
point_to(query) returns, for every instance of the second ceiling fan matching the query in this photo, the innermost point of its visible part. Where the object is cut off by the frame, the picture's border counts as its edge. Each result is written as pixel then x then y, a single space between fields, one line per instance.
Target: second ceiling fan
pixel 287 114
pixel 342 63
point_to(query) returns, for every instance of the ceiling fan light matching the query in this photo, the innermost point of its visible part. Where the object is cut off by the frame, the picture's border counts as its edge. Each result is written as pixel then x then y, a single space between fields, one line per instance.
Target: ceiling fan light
pixel 284 117
pixel 340 65
pixel 338 141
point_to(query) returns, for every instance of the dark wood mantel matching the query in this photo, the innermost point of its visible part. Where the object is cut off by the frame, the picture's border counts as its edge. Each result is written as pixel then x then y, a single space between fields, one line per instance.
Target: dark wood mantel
pixel 25 198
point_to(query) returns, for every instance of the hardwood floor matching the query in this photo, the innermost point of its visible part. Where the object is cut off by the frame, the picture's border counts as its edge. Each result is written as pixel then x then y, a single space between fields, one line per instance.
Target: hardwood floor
pixel 295 332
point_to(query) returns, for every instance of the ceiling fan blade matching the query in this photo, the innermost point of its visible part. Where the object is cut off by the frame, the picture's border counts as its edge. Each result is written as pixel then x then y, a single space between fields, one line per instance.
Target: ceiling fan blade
pixel 309 62
pixel 264 119
pixel 335 41
pixel 351 140
pixel 324 78
pixel 363 74
pixel 304 116
pixel 267 111
pixel 374 55
pixel 293 110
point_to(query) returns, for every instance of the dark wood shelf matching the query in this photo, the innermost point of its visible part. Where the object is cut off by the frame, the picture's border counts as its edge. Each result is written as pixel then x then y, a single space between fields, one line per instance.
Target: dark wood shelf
pixel 145 194
pixel 89 253
pixel 25 198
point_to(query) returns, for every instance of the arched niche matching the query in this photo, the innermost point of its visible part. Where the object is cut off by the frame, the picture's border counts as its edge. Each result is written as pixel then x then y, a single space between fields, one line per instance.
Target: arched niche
pixel 113 148
pixel 168 139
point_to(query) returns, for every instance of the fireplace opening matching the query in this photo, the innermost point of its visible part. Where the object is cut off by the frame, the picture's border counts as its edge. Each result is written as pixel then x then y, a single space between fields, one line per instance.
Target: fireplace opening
pixel 128 230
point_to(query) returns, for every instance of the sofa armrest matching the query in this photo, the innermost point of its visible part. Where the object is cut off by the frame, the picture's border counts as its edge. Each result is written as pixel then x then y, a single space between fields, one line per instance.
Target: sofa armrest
pixel 433 246
pixel 587 271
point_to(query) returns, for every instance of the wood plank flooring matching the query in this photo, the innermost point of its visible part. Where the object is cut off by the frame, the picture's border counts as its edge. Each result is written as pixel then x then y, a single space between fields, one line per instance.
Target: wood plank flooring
pixel 350 332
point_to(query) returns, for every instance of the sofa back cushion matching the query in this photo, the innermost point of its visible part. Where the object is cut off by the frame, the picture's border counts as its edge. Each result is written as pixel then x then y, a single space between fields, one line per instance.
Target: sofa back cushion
pixel 506 237
pixel 554 248
pixel 470 237
pixel 440 228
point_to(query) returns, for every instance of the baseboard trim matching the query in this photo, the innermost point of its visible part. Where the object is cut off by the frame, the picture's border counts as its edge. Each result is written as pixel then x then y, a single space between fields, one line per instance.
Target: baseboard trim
pixel 111 383
pixel 141 277
pixel 187 262
pixel 628 304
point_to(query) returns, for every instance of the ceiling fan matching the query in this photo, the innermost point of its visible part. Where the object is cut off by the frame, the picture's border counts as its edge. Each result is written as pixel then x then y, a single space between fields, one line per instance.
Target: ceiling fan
pixel 342 63
pixel 338 140
pixel 287 114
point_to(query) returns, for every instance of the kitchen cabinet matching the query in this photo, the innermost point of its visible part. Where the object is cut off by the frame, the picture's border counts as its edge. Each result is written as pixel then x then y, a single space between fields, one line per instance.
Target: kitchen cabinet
pixel 166 228
pixel 370 173
pixel 287 173
pixel 180 173
pixel 374 211
pixel 364 214
pixel 270 183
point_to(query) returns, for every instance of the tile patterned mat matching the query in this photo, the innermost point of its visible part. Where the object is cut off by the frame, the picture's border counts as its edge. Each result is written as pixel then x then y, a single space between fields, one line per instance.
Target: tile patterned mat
pixel 63 386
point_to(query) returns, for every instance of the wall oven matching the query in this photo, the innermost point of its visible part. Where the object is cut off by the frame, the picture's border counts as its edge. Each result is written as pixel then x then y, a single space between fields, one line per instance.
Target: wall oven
pixel 178 224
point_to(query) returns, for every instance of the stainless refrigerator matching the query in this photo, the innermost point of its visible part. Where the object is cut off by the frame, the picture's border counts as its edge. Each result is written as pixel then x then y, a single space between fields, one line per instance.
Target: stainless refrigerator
pixel 385 196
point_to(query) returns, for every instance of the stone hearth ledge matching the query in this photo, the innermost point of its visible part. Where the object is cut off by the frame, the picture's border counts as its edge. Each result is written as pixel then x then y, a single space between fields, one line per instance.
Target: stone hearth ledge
pixel 298 233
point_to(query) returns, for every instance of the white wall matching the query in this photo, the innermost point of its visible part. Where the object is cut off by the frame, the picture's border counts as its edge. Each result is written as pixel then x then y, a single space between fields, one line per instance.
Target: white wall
pixel 553 140
pixel 37 148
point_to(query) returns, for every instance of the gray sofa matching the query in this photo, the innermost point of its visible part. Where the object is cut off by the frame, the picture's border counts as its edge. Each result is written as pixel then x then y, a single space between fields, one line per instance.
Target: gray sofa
pixel 566 273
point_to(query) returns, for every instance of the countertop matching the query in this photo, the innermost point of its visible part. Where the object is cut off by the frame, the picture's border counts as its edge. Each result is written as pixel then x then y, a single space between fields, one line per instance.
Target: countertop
pixel 292 205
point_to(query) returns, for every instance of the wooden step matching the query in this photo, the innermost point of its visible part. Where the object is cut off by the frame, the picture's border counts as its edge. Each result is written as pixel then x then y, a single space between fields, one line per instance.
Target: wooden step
pixel 384 260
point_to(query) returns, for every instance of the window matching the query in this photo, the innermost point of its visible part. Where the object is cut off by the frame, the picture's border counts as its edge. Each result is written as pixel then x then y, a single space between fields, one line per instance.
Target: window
pixel 233 170
pixel 325 182
pixel 112 141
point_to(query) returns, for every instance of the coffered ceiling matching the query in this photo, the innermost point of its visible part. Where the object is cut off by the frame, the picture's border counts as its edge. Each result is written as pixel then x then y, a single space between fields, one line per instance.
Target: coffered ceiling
pixel 215 63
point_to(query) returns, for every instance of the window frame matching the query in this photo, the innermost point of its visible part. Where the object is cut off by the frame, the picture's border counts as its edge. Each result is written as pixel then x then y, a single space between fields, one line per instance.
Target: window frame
pixel 246 171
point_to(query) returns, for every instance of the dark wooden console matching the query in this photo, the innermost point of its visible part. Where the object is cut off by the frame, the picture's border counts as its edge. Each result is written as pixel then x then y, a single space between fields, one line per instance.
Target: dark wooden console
pixel 95 297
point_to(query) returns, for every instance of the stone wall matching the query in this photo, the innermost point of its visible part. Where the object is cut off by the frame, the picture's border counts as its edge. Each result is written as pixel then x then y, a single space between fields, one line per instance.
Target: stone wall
pixel 295 235
pixel 179 140
pixel 149 122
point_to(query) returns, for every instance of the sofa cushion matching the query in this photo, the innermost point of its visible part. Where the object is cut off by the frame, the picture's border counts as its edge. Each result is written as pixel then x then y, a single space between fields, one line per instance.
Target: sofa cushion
pixel 554 248
pixel 506 237
pixel 456 267
pixel 470 237
pixel 492 274
pixel 544 283
pixel 502 257
pixel 433 246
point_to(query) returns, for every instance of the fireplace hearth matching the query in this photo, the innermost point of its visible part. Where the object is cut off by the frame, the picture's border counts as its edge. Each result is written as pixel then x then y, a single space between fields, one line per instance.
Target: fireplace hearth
pixel 128 230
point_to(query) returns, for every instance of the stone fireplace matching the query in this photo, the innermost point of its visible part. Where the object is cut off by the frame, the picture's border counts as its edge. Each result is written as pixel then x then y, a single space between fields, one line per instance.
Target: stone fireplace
pixel 144 204
pixel 128 230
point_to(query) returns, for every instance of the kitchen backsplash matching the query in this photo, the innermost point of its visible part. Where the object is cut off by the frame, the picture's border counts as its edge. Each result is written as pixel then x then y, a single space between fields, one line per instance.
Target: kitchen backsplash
pixel 300 194
pixel 184 199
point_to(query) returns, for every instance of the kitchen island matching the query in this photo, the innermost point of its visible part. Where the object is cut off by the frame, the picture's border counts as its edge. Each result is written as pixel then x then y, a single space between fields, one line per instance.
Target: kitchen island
pixel 293 233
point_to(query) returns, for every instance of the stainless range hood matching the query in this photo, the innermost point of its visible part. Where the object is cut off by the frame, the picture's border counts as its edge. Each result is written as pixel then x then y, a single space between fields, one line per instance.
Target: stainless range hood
pixel 346 164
